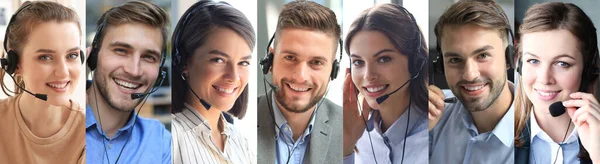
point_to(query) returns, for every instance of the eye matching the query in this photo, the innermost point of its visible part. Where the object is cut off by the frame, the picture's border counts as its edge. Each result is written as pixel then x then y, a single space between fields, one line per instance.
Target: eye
pixel 289 57
pixel 317 62
pixel 384 59
pixel 454 60
pixel 244 63
pixel 149 58
pixel 45 57
pixel 533 61
pixel 483 55
pixel 72 56
pixel 358 63
pixel 563 64
pixel 120 51
pixel 217 60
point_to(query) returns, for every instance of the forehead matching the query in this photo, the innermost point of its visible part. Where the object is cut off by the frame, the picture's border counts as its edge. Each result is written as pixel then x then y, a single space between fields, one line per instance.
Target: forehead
pixel 226 40
pixel 54 35
pixel 464 39
pixel 305 42
pixel 365 42
pixel 551 44
pixel 140 36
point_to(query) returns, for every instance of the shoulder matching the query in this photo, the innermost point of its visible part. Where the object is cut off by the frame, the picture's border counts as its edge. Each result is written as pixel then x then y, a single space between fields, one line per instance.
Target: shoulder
pixel 152 127
pixel 334 111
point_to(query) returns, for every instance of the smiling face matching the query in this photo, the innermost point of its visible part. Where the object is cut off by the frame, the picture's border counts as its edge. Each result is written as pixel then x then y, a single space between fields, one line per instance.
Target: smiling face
pixel 218 70
pixel 302 65
pixel 552 66
pixel 375 68
pixel 50 62
pixel 474 64
pixel 128 62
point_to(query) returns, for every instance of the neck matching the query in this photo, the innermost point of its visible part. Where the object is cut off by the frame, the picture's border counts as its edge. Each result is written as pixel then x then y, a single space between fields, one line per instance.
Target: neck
pixel 297 121
pixel 487 119
pixel 41 118
pixel 391 110
pixel 555 127
pixel 110 119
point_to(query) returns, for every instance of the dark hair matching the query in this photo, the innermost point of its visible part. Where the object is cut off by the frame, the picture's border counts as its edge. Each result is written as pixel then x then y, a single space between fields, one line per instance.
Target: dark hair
pixel 28 19
pixel 484 13
pixel 308 15
pixel 555 16
pixel 192 32
pixel 395 22
pixel 135 12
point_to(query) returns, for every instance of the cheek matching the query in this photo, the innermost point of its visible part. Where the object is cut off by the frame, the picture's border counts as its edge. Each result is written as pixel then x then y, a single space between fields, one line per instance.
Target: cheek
pixel 356 78
pixel 569 80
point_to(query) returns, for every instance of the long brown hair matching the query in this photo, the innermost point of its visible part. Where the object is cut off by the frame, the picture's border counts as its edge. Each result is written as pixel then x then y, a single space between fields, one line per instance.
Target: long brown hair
pixel 30 17
pixel 555 16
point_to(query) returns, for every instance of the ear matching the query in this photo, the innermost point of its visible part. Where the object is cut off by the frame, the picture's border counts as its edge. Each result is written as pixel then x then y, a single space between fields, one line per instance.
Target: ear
pixel 271 50
pixel 185 71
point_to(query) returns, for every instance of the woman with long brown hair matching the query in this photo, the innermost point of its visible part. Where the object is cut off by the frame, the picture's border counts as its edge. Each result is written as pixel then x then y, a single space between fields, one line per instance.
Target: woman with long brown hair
pixel 558 63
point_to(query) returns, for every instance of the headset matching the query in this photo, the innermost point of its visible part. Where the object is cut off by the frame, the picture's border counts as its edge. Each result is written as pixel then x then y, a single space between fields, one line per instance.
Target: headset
pixel 266 64
pixel 509 52
pixel 93 63
pixel 10 62
pixel 415 71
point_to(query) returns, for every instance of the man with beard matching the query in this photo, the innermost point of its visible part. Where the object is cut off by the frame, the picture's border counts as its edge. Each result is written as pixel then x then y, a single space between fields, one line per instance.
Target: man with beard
pixel 126 57
pixel 297 124
pixel 472 39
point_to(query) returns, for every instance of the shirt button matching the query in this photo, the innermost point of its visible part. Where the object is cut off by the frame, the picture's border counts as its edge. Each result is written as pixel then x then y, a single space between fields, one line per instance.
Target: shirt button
pixel 110 146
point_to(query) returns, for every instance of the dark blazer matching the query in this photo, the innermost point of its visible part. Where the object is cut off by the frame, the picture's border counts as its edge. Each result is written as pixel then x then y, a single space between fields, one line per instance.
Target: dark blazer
pixel 325 139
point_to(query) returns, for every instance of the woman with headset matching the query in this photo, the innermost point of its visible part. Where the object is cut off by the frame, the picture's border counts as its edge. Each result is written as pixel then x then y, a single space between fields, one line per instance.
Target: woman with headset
pixel 558 67
pixel 212 50
pixel 40 120
pixel 388 54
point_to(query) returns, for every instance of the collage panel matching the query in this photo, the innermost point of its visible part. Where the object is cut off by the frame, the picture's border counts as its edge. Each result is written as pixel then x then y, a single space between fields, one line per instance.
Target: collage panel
pixel 385 87
pixel 471 87
pixel 42 80
pixel 213 49
pixel 299 105
pixel 557 115
pixel 129 89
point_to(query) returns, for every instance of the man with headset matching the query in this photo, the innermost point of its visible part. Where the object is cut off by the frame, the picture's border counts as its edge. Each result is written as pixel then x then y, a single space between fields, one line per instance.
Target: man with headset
pixel 296 124
pixel 126 56
pixel 473 41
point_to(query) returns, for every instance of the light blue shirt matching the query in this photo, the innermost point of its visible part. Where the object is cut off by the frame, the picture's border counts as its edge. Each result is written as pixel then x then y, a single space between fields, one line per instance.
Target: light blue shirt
pixel 285 142
pixel 149 142
pixel 544 149
pixel 455 138
pixel 387 146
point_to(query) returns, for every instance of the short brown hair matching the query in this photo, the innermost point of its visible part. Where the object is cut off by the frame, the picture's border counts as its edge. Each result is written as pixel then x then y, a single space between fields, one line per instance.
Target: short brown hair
pixel 484 13
pixel 34 14
pixel 308 15
pixel 135 12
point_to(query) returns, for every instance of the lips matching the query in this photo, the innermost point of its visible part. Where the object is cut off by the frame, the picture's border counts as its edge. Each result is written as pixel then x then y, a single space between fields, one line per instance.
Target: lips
pixel 126 84
pixel 374 90
pixel 474 89
pixel 547 95
pixel 225 90
pixel 58 85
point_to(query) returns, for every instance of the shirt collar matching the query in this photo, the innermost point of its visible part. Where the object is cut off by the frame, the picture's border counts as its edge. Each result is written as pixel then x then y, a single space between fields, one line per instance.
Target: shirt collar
pixel 396 132
pixel 501 130
pixel 536 130
pixel 194 120
pixel 91 120
pixel 281 121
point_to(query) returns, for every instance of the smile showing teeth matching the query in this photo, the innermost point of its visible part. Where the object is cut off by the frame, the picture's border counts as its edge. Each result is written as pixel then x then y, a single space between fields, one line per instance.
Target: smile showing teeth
pixel 224 90
pixel 375 89
pixel 547 93
pixel 126 84
pixel 474 88
pixel 299 89
pixel 58 86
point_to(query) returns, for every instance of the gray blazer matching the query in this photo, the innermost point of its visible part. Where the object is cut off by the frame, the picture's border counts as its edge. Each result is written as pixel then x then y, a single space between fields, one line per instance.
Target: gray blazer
pixel 325 140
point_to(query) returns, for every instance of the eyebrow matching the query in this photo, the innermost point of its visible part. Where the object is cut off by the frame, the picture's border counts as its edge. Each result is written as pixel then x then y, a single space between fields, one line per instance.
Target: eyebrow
pixel 559 56
pixel 129 46
pixel 374 55
pixel 220 53
pixel 52 51
pixel 477 51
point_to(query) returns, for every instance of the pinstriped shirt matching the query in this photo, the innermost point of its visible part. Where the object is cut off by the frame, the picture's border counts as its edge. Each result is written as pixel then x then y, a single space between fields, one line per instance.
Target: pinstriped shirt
pixel 192 141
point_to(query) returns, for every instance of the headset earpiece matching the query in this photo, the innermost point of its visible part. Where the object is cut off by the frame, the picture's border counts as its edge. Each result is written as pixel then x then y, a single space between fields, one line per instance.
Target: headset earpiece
pixel 335 69
pixel 266 63
pixel 10 62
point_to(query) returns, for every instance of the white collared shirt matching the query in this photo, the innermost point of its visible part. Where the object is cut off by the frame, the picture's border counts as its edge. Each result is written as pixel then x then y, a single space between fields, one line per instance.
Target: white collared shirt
pixel 544 149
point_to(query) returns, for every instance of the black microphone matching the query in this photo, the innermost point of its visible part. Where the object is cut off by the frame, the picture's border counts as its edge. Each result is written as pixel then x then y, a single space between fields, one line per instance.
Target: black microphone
pixel 557 109
pixel 36 95
pixel 381 99
pixel 163 74
pixel 202 101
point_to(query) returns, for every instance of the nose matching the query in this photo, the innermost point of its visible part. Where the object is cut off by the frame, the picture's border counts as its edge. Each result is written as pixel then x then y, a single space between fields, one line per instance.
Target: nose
pixel 134 66
pixel 544 75
pixel 471 70
pixel 61 69
pixel 301 72
pixel 231 73
pixel 371 73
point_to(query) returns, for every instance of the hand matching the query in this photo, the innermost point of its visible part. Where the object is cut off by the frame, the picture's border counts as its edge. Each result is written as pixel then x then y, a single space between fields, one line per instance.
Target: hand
pixel 436 105
pixel 354 125
pixel 584 111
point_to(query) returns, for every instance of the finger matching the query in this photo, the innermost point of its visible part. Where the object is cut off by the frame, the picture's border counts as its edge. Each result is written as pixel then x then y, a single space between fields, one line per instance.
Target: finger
pixel 432 110
pixel 348 91
pixel 582 95
pixel 436 100
pixel 437 91
pixel 366 108
pixel 575 103
pixel 571 112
